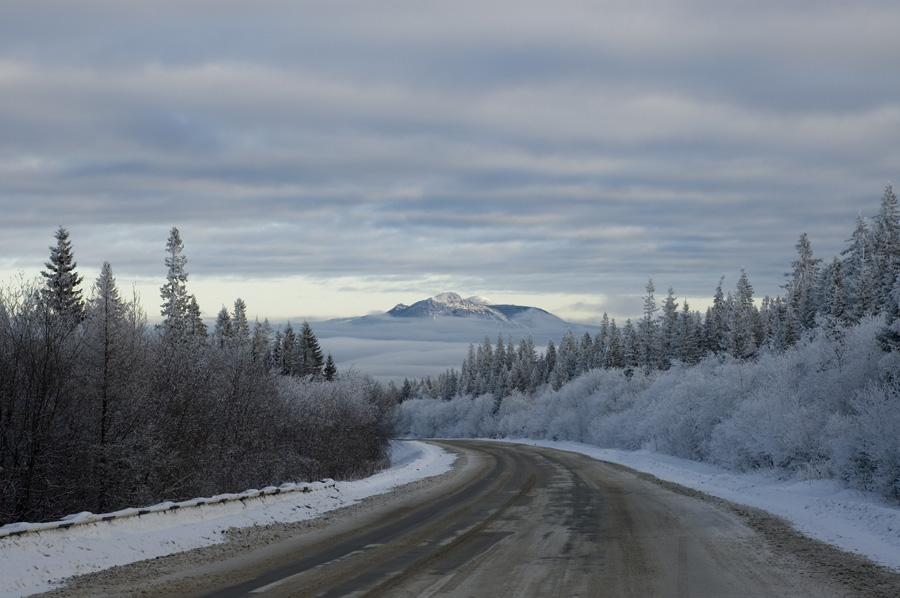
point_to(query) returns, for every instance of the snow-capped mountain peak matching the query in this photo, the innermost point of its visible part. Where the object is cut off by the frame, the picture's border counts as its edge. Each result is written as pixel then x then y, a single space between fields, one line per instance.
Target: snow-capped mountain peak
pixel 448 304
pixel 480 300
pixel 449 298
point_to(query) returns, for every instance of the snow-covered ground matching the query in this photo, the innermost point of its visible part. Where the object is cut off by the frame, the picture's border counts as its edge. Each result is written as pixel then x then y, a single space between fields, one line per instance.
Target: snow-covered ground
pixel 35 562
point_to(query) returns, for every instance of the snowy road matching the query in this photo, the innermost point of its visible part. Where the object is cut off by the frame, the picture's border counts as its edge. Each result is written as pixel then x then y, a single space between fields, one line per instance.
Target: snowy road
pixel 530 521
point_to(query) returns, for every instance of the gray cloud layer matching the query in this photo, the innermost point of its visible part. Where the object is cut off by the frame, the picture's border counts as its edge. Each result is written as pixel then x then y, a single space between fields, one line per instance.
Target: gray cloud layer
pixel 521 147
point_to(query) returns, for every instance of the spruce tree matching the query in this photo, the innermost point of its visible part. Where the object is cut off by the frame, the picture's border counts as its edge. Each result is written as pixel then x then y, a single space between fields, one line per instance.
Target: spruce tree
pixel 224 331
pixel 330 371
pixel 887 247
pixel 176 303
pixel 311 360
pixel 803 283
pixel 240 324
pixel 62 294
pixel 859 272
pixel 288 350
pixel 647 329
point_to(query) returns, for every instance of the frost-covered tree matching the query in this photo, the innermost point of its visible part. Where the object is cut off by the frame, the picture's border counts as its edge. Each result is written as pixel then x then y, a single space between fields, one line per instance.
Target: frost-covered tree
pixel 647 331
pixel 176 303
pixel 803 284
pixel 195 326
pixel 260 346
pixel 833 292
pixel 615 354
pixel 889 337
pixel 61 293
pixel 690 328
pixel 668 340
pixel 223 331
pixel 549 360
pixel 744 323
pixel 110 354
pixel 886 236
pixel 240 324
pixel 715 326
pixel 859 271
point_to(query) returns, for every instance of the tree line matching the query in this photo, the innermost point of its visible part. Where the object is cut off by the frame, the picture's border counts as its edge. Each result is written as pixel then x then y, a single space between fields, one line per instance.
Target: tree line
pixel 100 410
pixel 806 384
pixel 861 284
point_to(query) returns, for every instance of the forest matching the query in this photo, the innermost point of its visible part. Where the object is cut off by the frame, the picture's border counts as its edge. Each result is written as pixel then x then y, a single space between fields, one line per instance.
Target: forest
pixel 804 385
pixel 100 410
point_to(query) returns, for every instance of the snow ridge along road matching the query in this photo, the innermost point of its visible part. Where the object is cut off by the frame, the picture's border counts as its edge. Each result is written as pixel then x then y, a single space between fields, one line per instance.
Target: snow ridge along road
pixel 86 517
pixel 516 520
pixel 42 559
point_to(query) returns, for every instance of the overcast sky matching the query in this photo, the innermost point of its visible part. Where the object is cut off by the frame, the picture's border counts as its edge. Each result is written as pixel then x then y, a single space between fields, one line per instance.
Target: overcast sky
pixel 335 158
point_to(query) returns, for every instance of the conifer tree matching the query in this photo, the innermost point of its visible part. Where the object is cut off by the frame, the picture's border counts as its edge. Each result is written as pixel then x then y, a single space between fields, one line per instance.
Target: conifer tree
pixel 62 294
pixel 669 330
pixel 223 331
pixel 259 344
pixel 614 352
pixel 887 247
pixel 288 351
pixel 176 303
pixel 196 327
pixel 106 352
pixel 715 321
pixel 311 360
pixel 859 272
pixel 744 320
pixel 240 324
pixel 647 331
pixel 803 282
pixel 330 370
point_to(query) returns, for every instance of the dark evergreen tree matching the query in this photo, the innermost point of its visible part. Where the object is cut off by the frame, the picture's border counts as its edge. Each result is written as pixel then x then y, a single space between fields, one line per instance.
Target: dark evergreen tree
pixel 311 362
pixel 715 324
pixel 648 356
pixel 176 303
pixel 240 324
pixel 330 370
pixel 260 346
pixel 289 364
pixel 223 332
pixel 62 294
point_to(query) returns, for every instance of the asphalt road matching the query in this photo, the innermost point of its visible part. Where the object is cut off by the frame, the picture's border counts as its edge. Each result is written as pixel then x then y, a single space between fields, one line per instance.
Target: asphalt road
pixel 526 521
pixel 536 522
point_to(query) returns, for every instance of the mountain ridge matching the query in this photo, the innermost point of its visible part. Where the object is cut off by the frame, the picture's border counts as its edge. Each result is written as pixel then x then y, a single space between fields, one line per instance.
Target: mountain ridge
pixel 432 335
pixel 449 316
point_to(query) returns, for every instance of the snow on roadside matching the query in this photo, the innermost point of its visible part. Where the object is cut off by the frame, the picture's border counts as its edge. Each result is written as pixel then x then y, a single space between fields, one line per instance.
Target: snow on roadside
pixel 34 563
pixel 820 509
pixel 37 562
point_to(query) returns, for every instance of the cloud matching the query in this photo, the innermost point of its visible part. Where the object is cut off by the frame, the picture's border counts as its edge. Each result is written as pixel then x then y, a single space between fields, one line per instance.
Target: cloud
pixel 530 149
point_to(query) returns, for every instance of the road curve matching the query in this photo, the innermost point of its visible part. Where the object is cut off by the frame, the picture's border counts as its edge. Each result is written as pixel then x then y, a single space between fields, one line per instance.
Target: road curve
pixel 528 521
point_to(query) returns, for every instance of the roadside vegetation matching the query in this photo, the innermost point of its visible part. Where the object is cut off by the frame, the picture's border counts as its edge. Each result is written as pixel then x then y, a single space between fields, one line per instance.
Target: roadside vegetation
pixel 805 385
pixel 100 410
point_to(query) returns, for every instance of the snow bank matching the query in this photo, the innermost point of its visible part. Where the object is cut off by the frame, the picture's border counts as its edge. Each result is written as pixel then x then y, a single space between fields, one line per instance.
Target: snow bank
pixel 40 560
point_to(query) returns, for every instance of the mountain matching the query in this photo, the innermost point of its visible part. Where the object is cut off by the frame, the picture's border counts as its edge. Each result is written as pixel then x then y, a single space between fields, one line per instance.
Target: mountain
pixel 433 334
pixel 450 317
pixel 454 306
